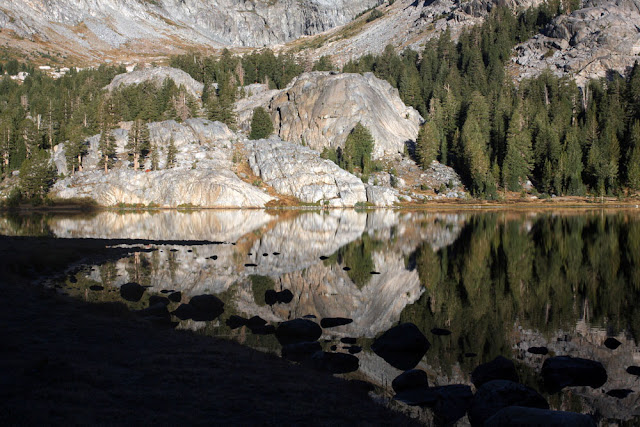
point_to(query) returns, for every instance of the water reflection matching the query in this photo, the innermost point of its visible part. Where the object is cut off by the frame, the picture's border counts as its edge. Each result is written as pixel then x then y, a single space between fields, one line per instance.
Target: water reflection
pixel 501 282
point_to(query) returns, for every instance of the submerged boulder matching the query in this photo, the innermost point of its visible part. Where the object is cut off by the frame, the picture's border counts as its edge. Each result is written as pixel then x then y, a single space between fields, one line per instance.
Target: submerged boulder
pixel 402 346
pixel 566 371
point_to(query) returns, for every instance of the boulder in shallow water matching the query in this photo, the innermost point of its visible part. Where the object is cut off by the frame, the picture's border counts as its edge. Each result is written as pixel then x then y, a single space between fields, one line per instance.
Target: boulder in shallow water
pixel 132 291
pixel 499 368
pixel 298 330
pixel 300 351
pixel 449 403
pixel 612 343
pixel 566 371
pixel 410 379
pixel 332 322
pixel 402 346
pixel 207 307
pixel 336 363
pixel 497 394
pixel 530 417
pixel 284 297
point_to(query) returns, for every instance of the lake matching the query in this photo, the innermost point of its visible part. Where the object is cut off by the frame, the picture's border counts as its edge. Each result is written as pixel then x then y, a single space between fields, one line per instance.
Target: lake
pixel 477 283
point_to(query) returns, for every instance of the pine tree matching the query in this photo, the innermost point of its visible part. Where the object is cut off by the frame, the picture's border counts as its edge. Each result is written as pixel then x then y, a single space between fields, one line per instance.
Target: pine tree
pixel 37 175
pixel 171 154
pixel 358 149
pixel 474 140
pixel 571 164
pixel 261 125
pixel 517 163
pixel 6 145
pixel 633 163
pixel 428 143
pixel 138 143
pixel 107 147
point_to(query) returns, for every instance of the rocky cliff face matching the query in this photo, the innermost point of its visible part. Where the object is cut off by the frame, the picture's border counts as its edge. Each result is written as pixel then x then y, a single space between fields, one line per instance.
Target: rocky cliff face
pixel 165 25
pixel 319 109
pixel 207 172
pixel 587 44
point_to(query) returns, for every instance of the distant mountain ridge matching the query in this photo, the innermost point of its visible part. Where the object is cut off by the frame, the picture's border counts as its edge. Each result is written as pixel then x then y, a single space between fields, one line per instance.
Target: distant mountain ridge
pixel 149 25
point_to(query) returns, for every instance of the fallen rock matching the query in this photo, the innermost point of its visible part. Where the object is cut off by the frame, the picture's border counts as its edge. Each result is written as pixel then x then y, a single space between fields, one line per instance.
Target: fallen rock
pixel 566 371
pixel 410 379
pixel 530 417
pixel 270 297
pixel 498 394
pixel 499 368
pixel 619 393
pixel 235 322
pixel 175 296
pixel 156 299
pixel 634 370
pixel 354 349
pixel 298 330
pixel 612 343
pixel 132 291
pixel 207 307
pixel 402 346
pixel 284 297
pixel 538 350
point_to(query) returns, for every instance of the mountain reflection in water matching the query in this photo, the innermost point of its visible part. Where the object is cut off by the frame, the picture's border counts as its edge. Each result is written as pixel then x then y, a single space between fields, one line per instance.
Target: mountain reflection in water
pixel 501 282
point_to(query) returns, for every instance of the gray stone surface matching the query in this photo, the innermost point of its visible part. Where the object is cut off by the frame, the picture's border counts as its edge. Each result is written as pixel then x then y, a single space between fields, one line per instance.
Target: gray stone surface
pixel 157 75
pixel 319 109
pixel 298 171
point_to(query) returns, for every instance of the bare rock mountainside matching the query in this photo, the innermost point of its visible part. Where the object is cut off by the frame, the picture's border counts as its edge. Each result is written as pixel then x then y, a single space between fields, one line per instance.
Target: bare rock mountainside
pixel 603 36
pixel 319 109
pixel 83 26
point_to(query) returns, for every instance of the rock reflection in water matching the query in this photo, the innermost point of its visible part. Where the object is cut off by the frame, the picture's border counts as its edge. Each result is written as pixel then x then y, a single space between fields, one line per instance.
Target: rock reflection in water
pixel 524 286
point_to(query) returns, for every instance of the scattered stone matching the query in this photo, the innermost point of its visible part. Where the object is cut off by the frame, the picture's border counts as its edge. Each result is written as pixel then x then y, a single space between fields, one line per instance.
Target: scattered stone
pixel 346 268
pixel 284 297
pixel 276 253
pixel 189 250
pixel 251 265
pixel 324 257
pixel 402 346
pixel 634 370
pixel 612 343
pixel 96 287
pixel 298 330
pixel 375 272
pixel 256 321
pixel 530 417
pixel 538 350
pixel 499 368
pixel 213 257
pixel 132 291
pixel 249 254
pixel 566 371
pixel 449 403
pixel 332 322
pixel 235 322
pixel 175 296
pixel 354 349
pixel 347 340
pixel 619 393
pixel 173 250
pixel 497 394
pixel 410 379
pixel 156 299
pixel 336 363
pixel 156 310
pixel 184 312
pixel 265 254
pixel 300 351
pixel 440 331
pixel 165 291
pixel 270 297
pixel 263 330
pixel 207 307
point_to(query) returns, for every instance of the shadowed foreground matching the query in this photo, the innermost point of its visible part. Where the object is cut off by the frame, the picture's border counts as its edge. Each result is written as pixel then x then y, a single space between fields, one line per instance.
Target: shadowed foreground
pixel 65 361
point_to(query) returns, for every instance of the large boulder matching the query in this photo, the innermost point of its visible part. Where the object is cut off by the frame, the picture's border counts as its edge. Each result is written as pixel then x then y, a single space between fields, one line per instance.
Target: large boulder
pixel 530 417
pixel 298 171
pixel 412 378
pixel 319 109
pixel 566 371
pixel 498 394
pixel 499 368
pixel 297 331
pixel 402 346
pixel 157 76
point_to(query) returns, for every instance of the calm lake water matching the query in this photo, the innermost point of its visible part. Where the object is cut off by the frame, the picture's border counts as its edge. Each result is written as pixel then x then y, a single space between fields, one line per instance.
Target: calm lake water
pixel 500 281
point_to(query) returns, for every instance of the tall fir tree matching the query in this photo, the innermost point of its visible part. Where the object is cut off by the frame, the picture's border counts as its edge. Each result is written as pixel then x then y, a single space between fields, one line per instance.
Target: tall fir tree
pixel 518 160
